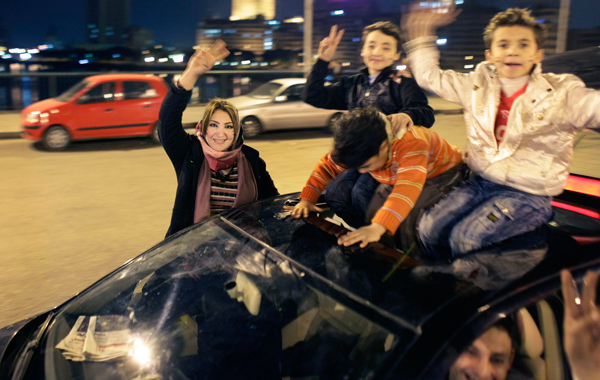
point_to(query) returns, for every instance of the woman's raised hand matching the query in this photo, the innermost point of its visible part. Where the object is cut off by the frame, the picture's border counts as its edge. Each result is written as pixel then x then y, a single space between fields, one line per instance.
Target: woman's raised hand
pixel 201 62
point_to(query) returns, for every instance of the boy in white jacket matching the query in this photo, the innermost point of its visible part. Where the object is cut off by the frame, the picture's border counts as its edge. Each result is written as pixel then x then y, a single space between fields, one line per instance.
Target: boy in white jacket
pixel 520 123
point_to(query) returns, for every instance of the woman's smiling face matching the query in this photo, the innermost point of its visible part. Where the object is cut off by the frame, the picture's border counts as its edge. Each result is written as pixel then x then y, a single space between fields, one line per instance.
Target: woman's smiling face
pixel 220 132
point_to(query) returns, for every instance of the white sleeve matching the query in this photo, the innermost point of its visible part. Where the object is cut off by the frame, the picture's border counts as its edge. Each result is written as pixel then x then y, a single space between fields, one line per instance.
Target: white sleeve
pixel 583 106
pixel 424 59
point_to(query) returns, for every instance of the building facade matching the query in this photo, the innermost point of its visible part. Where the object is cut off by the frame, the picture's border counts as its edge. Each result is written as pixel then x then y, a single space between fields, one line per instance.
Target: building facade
pixel 107 21
pixel 250 9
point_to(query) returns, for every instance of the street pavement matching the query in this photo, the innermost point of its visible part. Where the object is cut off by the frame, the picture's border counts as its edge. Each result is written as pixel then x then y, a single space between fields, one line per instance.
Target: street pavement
pixel 68 218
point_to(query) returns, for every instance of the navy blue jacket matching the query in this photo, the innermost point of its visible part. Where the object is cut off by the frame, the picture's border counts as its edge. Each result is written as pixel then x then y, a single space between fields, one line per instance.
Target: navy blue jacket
pixel 385 94
pixel 186 154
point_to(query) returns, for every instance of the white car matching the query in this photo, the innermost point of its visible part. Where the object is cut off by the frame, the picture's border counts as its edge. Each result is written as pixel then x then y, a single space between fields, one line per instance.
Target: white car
pixel 278 105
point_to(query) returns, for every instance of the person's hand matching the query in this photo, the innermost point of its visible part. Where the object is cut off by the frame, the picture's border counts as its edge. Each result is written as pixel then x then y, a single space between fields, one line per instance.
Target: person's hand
pixel 303 208
pixel 423 22
pixel 329 45
pixel 201 62
pixel 400 123
pixel 365 235
pixel 582 326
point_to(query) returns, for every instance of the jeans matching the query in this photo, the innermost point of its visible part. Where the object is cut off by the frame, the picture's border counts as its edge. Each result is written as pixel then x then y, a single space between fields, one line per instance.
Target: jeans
pixel 480 213
pixel 349 195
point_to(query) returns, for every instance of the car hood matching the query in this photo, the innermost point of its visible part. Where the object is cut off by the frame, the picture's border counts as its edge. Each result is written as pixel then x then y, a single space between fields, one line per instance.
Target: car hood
pixel 43 106
pixel 243 102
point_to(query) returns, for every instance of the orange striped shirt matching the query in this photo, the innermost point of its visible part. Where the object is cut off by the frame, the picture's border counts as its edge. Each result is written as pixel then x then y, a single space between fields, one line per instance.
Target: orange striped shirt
pixel 420 154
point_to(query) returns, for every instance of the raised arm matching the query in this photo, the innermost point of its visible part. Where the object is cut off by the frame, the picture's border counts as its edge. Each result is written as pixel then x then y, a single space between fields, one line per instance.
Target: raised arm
pixel 583 108
pixel 419 26
pixel 315 92
pixel 173 137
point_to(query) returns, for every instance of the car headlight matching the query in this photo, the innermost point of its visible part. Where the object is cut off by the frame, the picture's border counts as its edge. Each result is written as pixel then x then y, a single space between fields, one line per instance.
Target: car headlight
pixel 33 117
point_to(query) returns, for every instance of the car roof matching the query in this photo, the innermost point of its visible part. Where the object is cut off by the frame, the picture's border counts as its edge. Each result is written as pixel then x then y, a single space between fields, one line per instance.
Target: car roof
pixel 115 77
pixel 411 297
pixel 289 81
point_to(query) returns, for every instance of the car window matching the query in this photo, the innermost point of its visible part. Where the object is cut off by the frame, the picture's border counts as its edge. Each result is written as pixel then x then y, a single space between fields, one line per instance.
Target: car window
pixel 266 90
pixel 293 93
pixel 68 95
pixel 215 303
pixel 101 93
pixel 138 90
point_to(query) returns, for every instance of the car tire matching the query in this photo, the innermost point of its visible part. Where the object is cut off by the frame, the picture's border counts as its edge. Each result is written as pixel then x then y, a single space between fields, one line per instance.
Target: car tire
pixel 154 135
pixel 56 138
pixel 252 126
pixel 331 122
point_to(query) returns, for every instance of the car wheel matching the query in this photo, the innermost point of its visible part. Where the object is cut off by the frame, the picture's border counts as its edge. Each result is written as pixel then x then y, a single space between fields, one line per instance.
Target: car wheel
pixel 332 120
pixel 56 138
pixel 252 126
pixel 154 135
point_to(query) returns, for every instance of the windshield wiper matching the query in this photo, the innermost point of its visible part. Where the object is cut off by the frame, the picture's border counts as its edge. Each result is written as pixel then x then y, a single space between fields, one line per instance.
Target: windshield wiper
pixel 25 357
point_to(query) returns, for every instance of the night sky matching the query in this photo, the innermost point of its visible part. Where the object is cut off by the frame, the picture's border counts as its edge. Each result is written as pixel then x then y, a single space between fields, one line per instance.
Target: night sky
pixel 175 23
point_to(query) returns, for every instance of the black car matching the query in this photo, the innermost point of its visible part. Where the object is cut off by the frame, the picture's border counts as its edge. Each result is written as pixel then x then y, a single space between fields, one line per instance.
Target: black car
pixel 255 294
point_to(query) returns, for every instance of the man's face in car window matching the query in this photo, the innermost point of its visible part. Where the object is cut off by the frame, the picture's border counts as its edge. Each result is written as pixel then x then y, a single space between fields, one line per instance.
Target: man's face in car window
pixel 489 357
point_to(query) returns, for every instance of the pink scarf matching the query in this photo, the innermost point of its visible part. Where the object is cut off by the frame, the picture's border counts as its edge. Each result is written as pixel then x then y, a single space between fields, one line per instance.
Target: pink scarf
pixel 218 160
pixel 247 191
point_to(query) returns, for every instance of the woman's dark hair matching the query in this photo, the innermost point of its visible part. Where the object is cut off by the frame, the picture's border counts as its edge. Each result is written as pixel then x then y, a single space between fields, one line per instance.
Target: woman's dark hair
pixel 357 136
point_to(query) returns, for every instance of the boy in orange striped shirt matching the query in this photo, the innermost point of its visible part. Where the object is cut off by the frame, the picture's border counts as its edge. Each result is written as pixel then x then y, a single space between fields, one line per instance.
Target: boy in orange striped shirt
pixel 405 166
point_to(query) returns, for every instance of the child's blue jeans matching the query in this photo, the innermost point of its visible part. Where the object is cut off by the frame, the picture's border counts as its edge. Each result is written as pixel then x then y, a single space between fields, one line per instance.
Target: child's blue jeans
pixel 350 194
pixel 480 213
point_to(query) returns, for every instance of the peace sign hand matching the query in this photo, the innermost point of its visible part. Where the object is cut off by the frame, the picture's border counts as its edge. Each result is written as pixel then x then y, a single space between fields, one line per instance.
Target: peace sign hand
pixel 329 45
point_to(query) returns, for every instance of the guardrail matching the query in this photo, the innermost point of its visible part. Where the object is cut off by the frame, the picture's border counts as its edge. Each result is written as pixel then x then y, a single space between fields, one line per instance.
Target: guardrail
pixel 17 91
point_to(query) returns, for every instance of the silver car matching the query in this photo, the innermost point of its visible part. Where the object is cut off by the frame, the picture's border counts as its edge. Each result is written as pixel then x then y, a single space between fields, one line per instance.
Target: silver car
pixel 278 105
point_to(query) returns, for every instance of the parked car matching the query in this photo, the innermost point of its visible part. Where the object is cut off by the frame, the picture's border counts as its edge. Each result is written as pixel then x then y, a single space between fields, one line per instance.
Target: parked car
pixel 278 105
pixel 255 294
pixel 100 106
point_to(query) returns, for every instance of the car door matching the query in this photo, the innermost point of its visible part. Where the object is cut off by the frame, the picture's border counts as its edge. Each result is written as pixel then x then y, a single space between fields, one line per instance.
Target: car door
pixel 137 107
pixel 94 114
pixel 289 111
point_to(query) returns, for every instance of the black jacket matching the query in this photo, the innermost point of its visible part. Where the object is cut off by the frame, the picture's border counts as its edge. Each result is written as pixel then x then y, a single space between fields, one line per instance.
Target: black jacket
pixel 186 154
pixel 385 94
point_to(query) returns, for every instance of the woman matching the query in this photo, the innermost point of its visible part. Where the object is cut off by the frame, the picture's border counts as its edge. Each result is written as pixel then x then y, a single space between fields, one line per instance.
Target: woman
pixel 215 170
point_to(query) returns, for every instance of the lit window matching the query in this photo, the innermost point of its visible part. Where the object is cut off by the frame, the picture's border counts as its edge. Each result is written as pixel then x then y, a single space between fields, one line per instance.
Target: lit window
pixel 467 57
pixel 356 39
pixel 469 66
pixel 83 61
pixel 268 32
pixel 540 20
pixel 337 13
pixel 441 41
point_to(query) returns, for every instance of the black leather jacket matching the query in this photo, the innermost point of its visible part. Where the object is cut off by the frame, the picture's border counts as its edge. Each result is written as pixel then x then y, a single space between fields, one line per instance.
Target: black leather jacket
pixel 385 94
pixel 186 154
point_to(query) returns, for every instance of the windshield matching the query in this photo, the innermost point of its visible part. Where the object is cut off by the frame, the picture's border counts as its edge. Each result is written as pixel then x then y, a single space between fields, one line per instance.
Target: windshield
pixel 71 92
pixel 211 303
pixel 266 90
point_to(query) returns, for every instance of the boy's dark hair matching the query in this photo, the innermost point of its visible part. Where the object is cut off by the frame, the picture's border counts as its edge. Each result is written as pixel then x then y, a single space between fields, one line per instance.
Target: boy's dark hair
pixel 514 16
pixel 357 137
pixel 386 28
pixel 509 325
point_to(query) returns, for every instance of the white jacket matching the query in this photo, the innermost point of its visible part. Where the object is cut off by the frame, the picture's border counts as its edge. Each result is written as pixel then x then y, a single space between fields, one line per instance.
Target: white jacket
pixel 537 148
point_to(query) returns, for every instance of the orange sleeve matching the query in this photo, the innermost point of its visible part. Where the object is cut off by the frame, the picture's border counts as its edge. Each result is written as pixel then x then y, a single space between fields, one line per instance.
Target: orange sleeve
pixel 325 171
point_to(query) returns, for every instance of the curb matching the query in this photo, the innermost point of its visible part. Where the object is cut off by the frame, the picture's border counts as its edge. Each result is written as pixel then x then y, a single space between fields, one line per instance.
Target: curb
pixel 10 135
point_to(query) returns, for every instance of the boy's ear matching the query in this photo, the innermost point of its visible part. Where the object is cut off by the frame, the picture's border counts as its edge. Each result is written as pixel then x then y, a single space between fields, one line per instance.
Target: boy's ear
pixel 488 55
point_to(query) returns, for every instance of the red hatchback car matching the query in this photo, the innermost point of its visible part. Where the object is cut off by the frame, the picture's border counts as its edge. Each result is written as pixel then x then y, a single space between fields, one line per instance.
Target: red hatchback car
pixel 100 106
